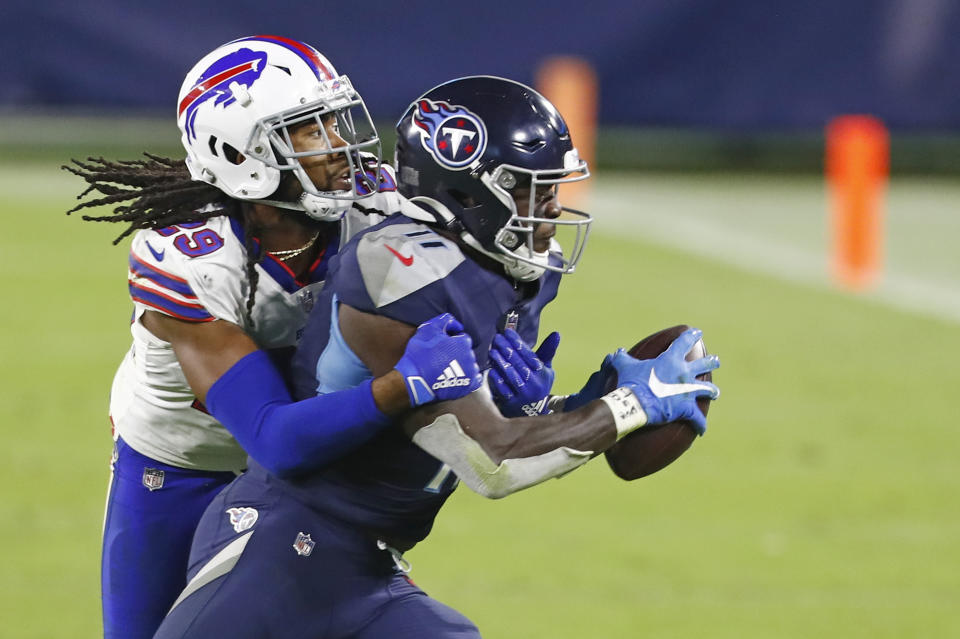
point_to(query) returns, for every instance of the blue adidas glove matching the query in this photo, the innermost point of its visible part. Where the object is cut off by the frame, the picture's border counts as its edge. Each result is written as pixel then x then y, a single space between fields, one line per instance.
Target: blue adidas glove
pixel 438 363
pixel 520 378
pixel 667 387
pixel 594 387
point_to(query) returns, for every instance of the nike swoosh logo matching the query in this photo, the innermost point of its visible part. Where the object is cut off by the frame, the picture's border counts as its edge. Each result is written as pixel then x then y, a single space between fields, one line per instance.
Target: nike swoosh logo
pixel 406 261
pixel 662 389
pixel 156 255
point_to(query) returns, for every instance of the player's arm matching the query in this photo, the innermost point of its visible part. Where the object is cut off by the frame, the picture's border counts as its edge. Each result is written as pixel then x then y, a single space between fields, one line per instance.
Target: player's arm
pixel 243 391
pixel 207 350
pixel 378 341
pixel 496 456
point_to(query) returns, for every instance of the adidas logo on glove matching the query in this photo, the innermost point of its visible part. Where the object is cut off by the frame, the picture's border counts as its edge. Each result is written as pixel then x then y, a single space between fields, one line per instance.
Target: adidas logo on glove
pixel 453 375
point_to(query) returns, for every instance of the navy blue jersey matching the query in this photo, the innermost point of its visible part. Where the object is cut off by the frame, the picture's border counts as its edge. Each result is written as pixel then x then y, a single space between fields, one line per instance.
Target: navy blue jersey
pixel 405 271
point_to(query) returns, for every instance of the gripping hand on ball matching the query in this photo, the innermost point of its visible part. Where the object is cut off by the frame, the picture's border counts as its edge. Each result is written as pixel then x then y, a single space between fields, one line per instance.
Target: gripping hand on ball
pixel 667 387
pixel 438 363
pixel 594 387
pixel 520 378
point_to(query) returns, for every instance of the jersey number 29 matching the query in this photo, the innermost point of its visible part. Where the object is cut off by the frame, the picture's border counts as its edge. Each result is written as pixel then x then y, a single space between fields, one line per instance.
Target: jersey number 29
pixel 195 244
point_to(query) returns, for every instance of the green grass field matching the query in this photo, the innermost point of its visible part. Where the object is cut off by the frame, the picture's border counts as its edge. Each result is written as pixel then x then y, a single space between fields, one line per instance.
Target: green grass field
pixel 817 505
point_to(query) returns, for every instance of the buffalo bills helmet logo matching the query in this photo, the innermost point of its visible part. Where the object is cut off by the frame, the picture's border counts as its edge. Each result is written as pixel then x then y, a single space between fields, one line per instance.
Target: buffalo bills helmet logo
pixel 452 134
pixel 243 67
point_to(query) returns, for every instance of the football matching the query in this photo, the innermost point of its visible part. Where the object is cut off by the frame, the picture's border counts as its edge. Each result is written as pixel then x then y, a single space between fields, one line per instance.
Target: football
pixel 651 448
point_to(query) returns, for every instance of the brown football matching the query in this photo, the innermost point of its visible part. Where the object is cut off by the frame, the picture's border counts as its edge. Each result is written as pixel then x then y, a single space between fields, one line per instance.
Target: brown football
pixel 651 448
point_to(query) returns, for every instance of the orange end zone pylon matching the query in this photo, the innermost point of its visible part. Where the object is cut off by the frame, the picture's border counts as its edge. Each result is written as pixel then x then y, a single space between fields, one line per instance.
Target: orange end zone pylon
pixel 858 168
pixel 571 84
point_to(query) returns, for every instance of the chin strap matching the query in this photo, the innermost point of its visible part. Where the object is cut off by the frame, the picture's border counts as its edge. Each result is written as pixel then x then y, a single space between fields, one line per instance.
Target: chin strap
pixel 323 209
pixel 517 269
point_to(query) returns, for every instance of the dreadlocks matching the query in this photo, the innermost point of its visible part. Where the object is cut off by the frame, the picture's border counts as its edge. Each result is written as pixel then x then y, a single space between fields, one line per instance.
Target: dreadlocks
pixel 156 193
pixel 159 190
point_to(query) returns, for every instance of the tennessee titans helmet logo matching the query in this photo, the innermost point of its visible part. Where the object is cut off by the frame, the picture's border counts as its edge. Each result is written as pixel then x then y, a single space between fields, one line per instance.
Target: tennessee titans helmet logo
pixel 454 136
pixel 243 67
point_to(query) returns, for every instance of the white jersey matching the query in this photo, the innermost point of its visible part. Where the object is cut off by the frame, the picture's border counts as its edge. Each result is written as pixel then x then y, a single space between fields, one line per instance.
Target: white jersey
pixel 197 272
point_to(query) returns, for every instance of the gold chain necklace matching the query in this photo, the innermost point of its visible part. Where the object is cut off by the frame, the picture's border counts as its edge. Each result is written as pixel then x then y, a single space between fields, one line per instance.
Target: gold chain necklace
pixel 283 256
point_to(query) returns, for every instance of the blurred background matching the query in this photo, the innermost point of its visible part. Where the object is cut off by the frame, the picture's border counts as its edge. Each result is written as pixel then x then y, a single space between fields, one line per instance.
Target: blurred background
pixel 818 502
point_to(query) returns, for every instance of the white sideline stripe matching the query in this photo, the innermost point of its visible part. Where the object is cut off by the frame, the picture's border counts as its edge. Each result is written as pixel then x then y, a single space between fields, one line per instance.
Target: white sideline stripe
pixel 222 563
pixel 760 254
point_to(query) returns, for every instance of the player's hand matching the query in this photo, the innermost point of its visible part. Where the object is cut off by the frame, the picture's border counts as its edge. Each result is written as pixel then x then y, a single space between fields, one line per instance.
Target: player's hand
pixel 594 387
pixel 438 363
pixel 667 387
pixel 520 378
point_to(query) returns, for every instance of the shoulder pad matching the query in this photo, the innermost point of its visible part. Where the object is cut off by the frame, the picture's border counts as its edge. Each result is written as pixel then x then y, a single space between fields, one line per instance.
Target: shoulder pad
pixel 399 259
pixel 165 274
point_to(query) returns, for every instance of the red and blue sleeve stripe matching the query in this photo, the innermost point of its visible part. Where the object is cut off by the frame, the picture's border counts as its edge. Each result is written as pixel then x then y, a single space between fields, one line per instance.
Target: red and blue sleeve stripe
pixel 169 305
pixel 160 277
pixel 165 292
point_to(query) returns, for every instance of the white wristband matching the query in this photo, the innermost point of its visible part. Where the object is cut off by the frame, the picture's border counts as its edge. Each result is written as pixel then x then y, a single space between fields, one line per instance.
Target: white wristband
pixel 628 414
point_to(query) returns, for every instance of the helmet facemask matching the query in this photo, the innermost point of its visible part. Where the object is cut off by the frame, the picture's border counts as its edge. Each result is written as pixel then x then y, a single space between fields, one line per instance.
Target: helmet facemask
pixel 513 244
pixel 476 153
pixel 341 120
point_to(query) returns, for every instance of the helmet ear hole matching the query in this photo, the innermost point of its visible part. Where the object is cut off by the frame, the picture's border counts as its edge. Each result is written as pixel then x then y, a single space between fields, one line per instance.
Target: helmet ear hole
pixel 232 155
pixel 229 153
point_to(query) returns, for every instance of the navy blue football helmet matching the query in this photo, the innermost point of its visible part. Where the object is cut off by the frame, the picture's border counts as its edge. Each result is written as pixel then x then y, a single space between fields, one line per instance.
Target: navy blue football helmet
pixel 468 148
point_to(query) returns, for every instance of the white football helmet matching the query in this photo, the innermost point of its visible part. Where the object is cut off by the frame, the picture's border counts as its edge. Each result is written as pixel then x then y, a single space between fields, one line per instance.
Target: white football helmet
pixel 235 111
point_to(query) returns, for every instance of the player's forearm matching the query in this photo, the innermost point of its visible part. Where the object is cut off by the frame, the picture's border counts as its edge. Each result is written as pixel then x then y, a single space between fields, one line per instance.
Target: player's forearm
pixel 390 393
pixel 284 436
pixel 591 428
pixel 494 456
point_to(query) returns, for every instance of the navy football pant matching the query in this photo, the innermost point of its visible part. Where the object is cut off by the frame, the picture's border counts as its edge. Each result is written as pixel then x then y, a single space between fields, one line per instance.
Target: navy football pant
pixel 146 539
pixel 296 573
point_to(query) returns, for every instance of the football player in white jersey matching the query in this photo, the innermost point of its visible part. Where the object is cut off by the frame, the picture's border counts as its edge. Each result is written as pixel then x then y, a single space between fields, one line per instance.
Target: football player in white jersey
pixel 283 164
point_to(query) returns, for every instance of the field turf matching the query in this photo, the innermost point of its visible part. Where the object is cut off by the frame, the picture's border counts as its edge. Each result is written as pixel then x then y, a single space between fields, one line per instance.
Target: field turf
pixel 817 505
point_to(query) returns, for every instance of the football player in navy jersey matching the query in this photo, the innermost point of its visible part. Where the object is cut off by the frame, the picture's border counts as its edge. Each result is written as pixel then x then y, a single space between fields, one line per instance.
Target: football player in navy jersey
pixel 321 554
pixel 233 245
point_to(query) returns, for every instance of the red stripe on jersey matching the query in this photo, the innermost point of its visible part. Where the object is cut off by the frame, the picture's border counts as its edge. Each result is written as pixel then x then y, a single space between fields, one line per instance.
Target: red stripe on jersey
pixel 161 271
pixel 166 297
pixel 167 311
pixel 169 305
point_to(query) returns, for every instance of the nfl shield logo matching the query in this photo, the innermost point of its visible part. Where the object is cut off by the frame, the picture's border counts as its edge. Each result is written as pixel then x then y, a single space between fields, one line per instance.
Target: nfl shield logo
pixel 304 545
pixel 511 321
pixel 152 478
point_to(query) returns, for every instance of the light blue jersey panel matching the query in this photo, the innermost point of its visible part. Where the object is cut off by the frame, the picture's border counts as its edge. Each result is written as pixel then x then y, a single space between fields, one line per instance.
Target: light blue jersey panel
pixel 339 367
